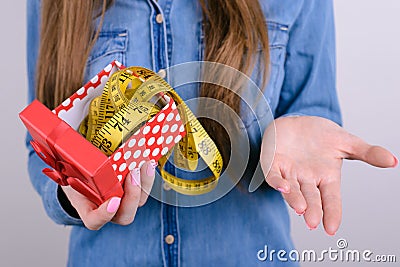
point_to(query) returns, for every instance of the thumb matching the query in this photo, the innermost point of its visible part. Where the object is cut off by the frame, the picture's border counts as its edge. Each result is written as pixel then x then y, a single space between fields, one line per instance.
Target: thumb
pixel 371 154
pixel 275 180
pixel 93 216
pixel 94 219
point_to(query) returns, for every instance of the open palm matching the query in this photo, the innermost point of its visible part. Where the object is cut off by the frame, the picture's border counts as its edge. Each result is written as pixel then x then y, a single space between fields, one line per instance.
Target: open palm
pixel 307 165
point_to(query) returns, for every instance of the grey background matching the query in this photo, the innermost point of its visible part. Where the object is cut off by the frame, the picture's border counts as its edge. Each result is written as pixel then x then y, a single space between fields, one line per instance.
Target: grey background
pixel 368 81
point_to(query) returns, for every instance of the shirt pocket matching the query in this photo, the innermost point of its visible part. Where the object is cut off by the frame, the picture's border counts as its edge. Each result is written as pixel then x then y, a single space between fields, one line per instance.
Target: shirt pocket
pixel 278 39
pixel 110 45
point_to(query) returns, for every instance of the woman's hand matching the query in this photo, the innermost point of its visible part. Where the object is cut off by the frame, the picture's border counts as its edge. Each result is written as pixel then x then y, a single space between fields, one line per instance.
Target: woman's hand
pixel 137 186
pixel 307 165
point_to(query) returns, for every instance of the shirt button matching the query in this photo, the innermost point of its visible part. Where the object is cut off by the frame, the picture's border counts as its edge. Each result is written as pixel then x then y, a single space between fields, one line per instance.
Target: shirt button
pixel 166 187
pixel 169 239
pixel 159 18
pixel 162 73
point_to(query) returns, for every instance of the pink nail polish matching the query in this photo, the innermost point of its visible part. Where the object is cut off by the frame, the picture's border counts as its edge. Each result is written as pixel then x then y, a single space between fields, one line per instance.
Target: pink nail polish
pixel 300 213
pixel 332 234
pixel 135 176
pixel 154 163
pixel 280 189
pixel 311 228
pixel 151 168
pixel 396 162
pixel 113 205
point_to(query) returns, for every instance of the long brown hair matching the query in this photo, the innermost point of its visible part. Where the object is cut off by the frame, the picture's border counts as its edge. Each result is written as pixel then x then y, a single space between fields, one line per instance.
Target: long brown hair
pixel 234 32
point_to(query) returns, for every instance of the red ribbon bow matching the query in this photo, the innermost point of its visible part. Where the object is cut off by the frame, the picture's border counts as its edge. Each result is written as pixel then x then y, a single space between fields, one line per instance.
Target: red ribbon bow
pixel 60 171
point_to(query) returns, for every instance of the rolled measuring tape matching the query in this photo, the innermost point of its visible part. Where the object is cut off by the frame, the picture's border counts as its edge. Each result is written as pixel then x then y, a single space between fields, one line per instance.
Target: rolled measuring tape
pixel 130 98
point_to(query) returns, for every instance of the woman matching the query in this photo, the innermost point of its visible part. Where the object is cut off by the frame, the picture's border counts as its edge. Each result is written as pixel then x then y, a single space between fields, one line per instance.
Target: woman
pixel 300 89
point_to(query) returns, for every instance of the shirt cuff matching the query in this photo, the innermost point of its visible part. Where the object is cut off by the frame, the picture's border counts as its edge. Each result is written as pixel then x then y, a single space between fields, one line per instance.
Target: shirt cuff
pixel 55 209
pixel 296 114
pixel 329 116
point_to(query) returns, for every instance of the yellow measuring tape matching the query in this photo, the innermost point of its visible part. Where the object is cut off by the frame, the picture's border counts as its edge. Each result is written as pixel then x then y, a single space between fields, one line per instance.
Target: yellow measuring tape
pixel 130 98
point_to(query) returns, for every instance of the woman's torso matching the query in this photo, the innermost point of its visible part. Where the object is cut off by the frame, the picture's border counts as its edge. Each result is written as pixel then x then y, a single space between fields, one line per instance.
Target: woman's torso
pixel 226 232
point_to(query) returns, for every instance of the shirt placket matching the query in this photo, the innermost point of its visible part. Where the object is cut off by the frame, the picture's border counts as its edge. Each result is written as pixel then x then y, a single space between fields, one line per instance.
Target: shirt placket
pixel 162 42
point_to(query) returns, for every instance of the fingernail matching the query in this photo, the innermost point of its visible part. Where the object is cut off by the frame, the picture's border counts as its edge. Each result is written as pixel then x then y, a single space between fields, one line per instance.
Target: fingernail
pixel 300 213
pixel 311 228
pixel 396 161
pixel 113 205
pixel 154 163
pixel 282 190
pixel 135 176
pixel 332 234
pixel 151 168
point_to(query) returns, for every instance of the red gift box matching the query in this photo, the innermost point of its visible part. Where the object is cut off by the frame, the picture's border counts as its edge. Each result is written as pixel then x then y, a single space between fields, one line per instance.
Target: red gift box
pixel 78 163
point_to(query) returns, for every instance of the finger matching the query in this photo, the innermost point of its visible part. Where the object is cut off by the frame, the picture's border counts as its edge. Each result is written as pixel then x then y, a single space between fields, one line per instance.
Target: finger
pixel 147 173
pixel 295 198
pixel 377 156
pixel 92 216
pixel 331 203
pixel 130 202
pixel 97 218
pixel 276 181
pixel 313 214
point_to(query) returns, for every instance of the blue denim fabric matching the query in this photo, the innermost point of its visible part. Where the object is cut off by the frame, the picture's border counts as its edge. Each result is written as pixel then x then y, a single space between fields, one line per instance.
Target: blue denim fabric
pixel 231 230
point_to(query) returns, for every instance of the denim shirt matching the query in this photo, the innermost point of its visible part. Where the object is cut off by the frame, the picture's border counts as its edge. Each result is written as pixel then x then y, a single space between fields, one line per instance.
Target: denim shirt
pixel 231 230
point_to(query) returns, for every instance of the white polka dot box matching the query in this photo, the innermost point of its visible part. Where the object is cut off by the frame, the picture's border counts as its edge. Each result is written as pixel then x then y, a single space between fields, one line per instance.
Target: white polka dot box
pixel 151 141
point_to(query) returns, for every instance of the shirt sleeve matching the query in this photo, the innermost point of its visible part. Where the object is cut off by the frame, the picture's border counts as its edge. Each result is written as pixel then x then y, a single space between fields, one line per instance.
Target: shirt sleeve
pixel 47 188
pixel 309 87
